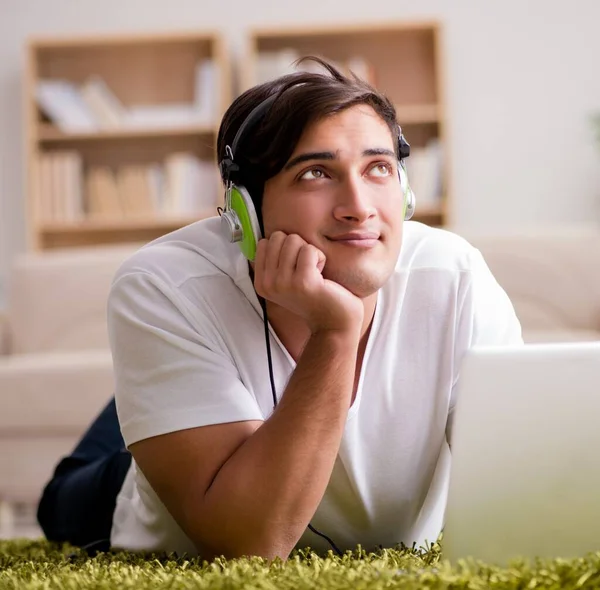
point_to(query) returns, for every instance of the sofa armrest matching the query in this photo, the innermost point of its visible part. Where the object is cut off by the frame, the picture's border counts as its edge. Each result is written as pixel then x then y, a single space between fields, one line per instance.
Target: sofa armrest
pixel 53 392
pixel 48 401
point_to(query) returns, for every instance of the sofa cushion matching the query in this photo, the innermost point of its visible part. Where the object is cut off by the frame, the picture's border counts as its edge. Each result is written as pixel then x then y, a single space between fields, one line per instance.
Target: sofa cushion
pixel 57 299
pixel 48 401
pixel 551 276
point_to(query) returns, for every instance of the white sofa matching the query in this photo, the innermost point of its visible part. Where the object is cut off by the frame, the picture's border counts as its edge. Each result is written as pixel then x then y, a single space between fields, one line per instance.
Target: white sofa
pixel 56 370
pixel 552 277
pixel 56 367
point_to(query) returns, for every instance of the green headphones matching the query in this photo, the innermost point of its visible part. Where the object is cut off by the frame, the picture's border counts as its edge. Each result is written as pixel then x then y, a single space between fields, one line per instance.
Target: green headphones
pixel 239 221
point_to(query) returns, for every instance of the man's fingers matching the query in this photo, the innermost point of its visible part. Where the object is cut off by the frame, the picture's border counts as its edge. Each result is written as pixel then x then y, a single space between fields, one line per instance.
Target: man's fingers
pixel 321 260
pixel 288 258
pixel 309 259
pixel 286 263
pixel 273 251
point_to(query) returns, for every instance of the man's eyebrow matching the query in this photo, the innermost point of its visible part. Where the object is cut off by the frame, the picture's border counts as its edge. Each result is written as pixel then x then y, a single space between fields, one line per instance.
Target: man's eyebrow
pixel 308 156
pixel 379 152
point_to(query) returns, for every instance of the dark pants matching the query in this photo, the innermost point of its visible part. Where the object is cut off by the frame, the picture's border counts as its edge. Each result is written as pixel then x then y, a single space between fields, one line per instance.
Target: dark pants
pixel 77 504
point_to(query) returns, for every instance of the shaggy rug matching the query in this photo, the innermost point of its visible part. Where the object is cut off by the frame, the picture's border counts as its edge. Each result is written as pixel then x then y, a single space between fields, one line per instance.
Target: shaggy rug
pixel 40 565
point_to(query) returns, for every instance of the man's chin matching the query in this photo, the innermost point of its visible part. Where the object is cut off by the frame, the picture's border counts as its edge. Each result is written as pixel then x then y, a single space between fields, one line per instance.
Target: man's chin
pixel 360 282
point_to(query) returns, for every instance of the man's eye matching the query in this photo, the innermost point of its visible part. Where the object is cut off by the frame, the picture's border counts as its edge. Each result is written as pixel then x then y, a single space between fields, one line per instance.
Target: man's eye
pixel 312 174
pixel 381 169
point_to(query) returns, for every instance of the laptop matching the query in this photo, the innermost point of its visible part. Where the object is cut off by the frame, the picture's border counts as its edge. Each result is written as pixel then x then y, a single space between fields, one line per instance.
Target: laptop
pixel 525 476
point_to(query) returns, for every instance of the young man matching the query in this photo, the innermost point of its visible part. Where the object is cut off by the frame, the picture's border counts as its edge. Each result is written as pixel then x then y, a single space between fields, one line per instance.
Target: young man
pixel 368 320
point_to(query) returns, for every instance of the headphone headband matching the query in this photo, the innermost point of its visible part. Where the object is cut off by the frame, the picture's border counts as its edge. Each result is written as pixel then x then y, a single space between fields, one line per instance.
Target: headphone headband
pixel 228 165
pixel 256 114
pixel 403 145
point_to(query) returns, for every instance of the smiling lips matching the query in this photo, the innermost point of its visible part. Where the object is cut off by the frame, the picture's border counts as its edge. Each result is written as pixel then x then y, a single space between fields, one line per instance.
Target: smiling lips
pixel 357 239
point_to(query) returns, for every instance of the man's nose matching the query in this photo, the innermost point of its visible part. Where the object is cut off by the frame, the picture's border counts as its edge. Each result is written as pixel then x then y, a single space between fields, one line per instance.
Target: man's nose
pixel 353 201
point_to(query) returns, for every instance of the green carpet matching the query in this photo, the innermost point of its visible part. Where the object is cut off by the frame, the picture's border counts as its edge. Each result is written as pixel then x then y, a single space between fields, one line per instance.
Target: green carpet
pixel 41 565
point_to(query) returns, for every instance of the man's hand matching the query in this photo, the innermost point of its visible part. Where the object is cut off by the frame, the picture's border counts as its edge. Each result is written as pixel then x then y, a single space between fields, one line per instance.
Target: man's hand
pixel 288 272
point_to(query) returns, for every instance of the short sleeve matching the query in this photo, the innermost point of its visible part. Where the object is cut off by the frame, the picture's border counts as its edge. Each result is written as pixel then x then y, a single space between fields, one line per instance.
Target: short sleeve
pixel 169 374
pixel 487 318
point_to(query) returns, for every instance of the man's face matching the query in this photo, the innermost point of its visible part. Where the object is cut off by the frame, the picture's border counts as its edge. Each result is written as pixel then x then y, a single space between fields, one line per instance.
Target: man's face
pixel 340 192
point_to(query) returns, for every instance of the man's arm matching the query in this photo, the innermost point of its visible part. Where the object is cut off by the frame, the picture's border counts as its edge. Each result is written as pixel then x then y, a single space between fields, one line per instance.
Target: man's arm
pixel 251 488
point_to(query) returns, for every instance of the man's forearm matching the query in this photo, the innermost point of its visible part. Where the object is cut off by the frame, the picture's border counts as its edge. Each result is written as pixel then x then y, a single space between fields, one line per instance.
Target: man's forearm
pixel 266 493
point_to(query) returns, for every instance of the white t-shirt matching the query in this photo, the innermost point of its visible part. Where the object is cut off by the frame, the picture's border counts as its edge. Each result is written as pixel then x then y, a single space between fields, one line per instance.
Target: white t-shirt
pixel 187 338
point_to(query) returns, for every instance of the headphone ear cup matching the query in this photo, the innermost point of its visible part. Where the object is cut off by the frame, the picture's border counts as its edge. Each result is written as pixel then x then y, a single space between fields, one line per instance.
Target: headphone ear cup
pixel 408 207
pixel 409 204
pixel 240 222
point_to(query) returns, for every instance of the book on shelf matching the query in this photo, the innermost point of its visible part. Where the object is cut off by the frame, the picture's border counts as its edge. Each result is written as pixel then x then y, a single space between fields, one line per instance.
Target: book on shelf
pixel 191 184
pixel 134 190
pixel 59 188
pixel 94 106
pixel 62 102
pixel 181 186
pixel 102 198
pixel 107 110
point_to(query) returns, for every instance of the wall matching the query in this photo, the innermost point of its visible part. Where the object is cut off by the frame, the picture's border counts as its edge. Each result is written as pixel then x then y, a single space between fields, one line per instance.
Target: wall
pixel 522 80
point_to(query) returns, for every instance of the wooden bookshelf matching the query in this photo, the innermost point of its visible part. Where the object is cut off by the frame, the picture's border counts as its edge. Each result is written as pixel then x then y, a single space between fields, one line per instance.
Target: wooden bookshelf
pixel 150 73
pixel 404 61
pixel 50 134
pixel 111 231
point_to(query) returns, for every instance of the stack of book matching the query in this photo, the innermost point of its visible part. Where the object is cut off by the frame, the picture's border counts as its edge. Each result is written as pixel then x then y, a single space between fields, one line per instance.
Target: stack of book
pixel 182 186
pixel 93 106
pixel 59 187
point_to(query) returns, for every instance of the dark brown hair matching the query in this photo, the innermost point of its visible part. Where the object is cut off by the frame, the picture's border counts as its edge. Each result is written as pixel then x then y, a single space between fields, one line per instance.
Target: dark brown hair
pixel 302 99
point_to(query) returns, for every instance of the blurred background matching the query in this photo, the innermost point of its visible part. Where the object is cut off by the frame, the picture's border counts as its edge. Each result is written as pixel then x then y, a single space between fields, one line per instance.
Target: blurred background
pixel 108 119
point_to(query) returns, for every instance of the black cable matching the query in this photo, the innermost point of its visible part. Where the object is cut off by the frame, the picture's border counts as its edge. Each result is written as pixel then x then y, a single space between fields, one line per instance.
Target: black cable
pixel 330 541
pixel 91 549
pixel 263 304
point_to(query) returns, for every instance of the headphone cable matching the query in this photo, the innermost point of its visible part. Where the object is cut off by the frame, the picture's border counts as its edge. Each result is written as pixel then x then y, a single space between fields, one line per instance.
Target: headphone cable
pixel 263 304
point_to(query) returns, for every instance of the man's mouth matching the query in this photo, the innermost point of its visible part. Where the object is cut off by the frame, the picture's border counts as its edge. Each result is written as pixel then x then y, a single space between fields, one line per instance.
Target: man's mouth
pixel 356 239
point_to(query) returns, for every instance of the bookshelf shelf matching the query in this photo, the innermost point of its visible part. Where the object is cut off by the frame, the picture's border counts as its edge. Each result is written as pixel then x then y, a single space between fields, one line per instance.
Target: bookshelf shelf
pixel 116 146
pixel 106 225
pixel 404 61
pixel 110 231
pixel 50 133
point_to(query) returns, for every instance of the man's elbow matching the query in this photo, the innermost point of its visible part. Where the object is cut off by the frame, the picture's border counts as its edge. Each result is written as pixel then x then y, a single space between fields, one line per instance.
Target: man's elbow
pixel 266 544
